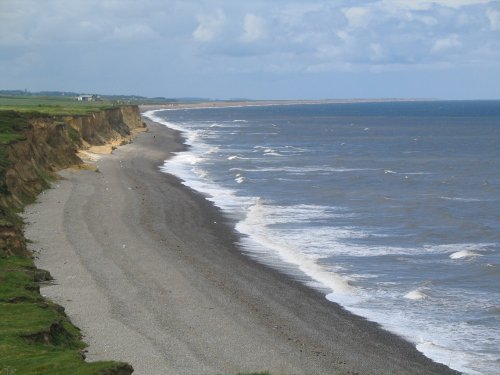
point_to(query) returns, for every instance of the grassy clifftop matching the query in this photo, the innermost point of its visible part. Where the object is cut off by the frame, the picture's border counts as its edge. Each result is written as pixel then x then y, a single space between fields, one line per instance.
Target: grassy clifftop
pixel 37 138
pixel 51 106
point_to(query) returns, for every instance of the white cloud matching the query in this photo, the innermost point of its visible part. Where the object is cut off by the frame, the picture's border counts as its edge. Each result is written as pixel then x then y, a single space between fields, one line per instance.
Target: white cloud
pixel 132 32
pixel 13 39
pixel 253 28
pixel 442 44
pixel 293 14
pixel 428 4
pixel 88 28
pixel 210 26
pixel 377 51
pixel 460 3
pixel 357 17
pixel 344 36
pixel 494 18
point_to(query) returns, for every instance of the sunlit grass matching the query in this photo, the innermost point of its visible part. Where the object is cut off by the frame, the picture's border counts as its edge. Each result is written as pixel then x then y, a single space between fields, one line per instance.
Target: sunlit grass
pixel 35 335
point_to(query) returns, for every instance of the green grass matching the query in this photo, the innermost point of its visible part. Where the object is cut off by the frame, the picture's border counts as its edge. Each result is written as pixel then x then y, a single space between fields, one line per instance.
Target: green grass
pixel 12 123
pixel 35 335
pixel 74 135
pixel 52 106
pixel 17 280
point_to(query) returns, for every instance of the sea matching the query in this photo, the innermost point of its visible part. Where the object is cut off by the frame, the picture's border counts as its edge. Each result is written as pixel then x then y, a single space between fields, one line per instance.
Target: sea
pixel 391 209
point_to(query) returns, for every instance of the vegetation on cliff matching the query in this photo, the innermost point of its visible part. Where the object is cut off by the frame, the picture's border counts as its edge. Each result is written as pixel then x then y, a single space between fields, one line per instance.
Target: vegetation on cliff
pixel 37 139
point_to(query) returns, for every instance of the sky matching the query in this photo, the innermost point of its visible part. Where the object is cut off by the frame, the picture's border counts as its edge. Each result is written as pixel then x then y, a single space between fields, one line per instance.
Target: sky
pixel 259 49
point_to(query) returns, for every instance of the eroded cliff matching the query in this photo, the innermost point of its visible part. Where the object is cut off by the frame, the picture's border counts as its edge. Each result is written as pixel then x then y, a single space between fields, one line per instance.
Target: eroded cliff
pixel 49 144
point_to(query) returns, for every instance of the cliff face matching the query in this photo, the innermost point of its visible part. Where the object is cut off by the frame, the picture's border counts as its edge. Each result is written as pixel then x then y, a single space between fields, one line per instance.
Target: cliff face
pixel 49 145
pixel 103 127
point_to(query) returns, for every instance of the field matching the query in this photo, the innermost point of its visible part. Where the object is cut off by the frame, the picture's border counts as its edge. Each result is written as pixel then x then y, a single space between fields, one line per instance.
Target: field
pixel 52 106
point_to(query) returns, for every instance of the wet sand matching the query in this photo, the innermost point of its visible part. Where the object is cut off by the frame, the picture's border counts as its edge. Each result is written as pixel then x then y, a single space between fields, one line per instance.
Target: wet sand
pixel 150 272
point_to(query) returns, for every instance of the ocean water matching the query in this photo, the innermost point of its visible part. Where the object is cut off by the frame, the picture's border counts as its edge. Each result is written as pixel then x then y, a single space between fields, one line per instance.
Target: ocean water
pixel 391 209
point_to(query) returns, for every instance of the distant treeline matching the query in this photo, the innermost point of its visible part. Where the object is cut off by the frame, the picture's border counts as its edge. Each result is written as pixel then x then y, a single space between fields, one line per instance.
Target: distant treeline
pixel 69 94
pixel 124 98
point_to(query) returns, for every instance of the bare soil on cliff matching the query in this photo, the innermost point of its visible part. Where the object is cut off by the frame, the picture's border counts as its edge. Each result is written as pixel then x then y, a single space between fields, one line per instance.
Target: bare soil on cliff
pixel 150 272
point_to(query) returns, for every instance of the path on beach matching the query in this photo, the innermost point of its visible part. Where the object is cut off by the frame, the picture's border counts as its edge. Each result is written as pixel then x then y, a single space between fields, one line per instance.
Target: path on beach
pixel 149 271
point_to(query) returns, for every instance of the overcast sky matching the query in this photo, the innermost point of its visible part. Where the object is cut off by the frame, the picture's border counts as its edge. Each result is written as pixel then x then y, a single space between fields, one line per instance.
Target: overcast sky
pixel 259 49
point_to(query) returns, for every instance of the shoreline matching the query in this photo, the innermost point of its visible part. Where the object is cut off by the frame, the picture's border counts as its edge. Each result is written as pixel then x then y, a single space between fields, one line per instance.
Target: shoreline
pixel 260 103
pixel 158 264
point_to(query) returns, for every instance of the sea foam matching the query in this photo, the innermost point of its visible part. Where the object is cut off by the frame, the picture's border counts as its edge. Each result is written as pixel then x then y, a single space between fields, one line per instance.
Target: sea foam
pixel 464 254
pixel 416 295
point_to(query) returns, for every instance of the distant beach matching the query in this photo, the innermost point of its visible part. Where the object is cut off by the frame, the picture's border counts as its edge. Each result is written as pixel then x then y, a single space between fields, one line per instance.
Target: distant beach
pixel 249 103
pixel 150 272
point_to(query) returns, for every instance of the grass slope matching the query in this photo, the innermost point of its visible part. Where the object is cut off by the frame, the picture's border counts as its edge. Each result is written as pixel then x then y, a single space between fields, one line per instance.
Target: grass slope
pixel 36 337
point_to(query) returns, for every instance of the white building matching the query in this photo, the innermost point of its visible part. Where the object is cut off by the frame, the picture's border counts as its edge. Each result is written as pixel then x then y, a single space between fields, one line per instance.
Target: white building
pixel 87 98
